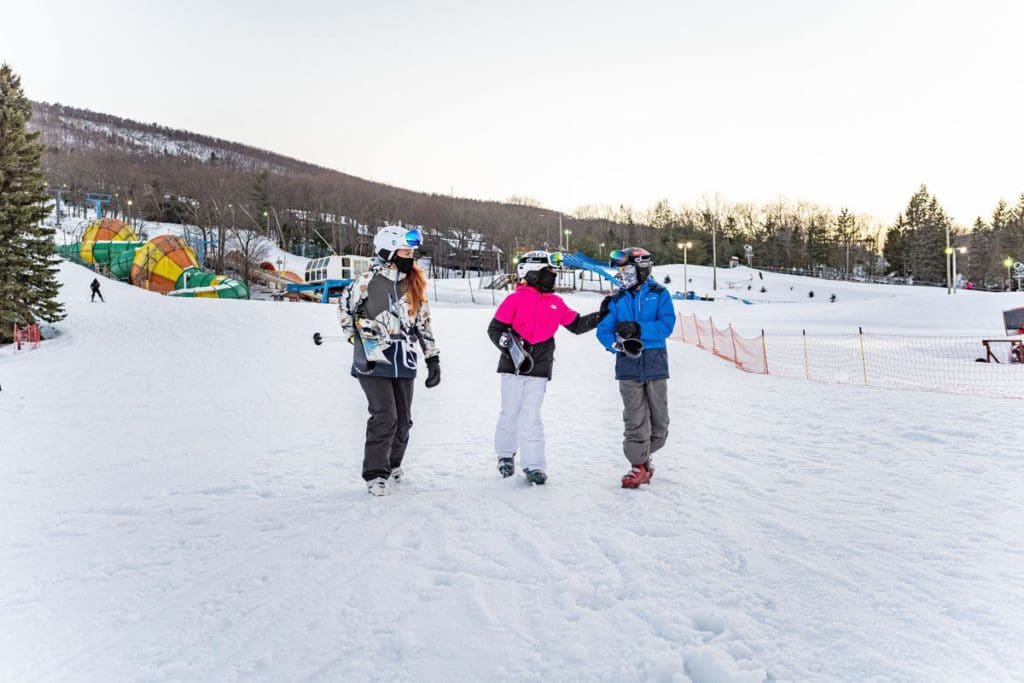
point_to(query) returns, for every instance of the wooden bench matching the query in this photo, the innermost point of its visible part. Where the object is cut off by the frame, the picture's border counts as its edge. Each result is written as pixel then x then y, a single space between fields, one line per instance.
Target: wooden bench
pixel 1016 354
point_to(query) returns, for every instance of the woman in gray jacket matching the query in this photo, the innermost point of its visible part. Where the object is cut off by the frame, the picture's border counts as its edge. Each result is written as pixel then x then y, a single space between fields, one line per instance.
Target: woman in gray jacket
pixel 385 314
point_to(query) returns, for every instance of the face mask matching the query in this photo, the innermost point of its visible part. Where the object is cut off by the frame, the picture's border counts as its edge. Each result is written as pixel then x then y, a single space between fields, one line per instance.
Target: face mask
pixel 404 265
pixel 627 278
pixel 545 280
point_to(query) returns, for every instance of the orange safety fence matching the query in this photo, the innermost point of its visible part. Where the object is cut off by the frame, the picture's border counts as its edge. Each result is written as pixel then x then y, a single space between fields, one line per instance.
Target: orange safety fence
pixel 955 364
pixel 746 352
pixel 28 335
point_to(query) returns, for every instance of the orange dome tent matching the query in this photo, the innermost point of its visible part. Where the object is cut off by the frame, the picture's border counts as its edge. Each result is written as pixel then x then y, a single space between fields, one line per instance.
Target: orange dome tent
pixel 104 231
pixel 159 263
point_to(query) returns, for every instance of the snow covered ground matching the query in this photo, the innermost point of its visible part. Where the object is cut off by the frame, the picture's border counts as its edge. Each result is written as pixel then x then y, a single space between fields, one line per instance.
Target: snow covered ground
pixel 182 501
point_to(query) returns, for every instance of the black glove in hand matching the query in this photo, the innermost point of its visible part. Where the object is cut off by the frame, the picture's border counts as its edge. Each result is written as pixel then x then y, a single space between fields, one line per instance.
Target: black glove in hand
pixel 433 372
pixel 628 330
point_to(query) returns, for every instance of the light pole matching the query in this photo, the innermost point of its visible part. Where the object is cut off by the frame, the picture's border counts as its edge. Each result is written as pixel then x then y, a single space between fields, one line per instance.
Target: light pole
pixel 266 215
pixel 962 250
pixel 280 271
pixel 714 256
pixel 1008 261
pixel 949 253
pixel 129 212
pixel 567 233
pixel 949 256
pixel 685 246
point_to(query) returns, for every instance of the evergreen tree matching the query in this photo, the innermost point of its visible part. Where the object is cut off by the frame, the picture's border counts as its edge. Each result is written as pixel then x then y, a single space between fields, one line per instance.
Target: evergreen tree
pixel 919 239
pixel 895 250
pixel 846 233
pixel 28 268
pixel 984 261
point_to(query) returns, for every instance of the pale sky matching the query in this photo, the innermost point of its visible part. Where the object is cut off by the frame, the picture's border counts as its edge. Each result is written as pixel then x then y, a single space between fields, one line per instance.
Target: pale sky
pixel 840 103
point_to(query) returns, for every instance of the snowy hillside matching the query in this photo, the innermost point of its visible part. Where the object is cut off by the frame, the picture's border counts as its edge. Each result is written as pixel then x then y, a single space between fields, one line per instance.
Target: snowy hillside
pixel 182 501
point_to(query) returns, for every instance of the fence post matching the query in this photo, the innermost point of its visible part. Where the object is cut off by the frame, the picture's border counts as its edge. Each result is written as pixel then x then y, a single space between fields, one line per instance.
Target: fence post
pixel 469 281
pixel 435 290
pixel 712 322
pixel 764 351
pixel 682 329
pixel 735 356
pixel 863 357
pixel 807 365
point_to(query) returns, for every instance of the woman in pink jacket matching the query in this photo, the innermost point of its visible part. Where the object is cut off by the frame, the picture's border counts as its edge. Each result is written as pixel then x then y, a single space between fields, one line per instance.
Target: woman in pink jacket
pixel 524 329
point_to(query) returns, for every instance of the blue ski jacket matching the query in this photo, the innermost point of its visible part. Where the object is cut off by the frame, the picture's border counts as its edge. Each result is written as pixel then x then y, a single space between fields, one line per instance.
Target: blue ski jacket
pixel 650 305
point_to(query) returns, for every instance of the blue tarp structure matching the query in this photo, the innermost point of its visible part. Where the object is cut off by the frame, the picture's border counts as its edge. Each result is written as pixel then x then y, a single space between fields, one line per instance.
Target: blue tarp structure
pixel 325 289
pixel 581 261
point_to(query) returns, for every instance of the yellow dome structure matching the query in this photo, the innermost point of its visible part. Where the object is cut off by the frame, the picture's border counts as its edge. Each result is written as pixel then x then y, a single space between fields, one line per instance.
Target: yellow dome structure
pixel 159 263
pixel 99 234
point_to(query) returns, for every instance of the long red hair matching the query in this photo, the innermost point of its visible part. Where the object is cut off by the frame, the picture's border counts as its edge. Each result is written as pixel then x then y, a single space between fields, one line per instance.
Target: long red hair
pixel 416 288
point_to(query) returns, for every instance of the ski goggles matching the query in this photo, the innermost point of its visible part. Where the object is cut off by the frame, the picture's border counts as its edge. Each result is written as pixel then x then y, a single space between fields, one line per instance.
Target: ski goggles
pixel 556 259
pixel 413 238
pixel 625 257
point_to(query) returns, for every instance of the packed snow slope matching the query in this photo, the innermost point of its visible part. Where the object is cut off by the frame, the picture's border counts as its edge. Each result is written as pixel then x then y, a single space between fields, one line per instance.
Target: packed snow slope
pixel 182 501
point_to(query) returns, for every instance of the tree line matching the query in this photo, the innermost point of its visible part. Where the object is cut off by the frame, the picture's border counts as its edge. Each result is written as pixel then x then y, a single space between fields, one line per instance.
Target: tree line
pixel 216 185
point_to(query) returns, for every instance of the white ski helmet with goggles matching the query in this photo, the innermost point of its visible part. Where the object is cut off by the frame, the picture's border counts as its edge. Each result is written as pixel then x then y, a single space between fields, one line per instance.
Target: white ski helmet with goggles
pixel 537 260
pixel 391 238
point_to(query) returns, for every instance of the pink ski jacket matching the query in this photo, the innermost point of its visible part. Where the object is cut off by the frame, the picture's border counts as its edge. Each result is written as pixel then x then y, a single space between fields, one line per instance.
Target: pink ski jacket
pixel 533 315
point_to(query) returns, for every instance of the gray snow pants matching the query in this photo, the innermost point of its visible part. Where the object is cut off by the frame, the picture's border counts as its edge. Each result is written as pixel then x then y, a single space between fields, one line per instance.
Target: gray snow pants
pixel 387 430
pixel 645 416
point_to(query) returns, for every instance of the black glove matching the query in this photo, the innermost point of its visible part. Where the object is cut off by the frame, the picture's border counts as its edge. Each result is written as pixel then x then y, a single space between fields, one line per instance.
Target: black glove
pixel 604 305
pixel 628 330
pixel 433 371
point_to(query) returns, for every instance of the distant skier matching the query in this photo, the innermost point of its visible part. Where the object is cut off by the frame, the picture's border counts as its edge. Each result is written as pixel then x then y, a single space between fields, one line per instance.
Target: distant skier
pixel 640 318
pixel 526 321
pixel 390 298
pixel 95 287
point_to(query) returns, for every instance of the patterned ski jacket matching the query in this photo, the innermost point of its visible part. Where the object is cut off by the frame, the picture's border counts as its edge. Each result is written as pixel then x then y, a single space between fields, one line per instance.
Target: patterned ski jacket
pixel 535 317
pixel 650 304
pixel 379 294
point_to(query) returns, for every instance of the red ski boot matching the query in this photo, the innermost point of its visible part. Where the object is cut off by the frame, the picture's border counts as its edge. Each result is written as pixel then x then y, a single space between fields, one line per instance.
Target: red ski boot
pixel 639 474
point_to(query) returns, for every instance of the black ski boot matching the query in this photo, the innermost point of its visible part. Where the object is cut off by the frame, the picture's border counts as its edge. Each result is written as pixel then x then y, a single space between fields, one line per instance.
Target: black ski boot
pixel 535 477
pixel 507 466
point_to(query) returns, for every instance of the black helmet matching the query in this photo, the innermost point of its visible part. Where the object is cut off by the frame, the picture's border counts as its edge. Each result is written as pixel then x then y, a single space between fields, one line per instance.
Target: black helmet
pixel 639 258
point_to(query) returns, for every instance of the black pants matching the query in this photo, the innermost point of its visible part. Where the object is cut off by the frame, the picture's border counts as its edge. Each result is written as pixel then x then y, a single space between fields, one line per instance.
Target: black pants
pixel 387 430
pixel 96 293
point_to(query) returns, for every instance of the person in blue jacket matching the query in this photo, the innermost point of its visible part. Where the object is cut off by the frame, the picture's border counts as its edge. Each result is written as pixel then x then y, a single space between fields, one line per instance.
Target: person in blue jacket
pixel 640 318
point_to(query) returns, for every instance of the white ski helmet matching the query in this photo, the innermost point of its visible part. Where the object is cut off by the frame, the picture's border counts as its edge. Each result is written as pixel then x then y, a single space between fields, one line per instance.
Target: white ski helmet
pixel 391 238
pixel 537 260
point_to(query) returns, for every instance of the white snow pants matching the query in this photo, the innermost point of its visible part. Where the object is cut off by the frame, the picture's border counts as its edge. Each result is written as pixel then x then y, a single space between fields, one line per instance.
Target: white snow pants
pixel 519 425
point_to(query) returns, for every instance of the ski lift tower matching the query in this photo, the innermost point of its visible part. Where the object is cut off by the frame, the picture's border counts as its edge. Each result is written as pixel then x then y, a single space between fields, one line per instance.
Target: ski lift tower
pixel 194 239
pixel 99 200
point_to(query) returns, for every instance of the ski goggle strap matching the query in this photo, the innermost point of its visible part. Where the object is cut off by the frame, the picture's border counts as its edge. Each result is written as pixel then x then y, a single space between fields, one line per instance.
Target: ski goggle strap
pixel 623 257
pixel 413 238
